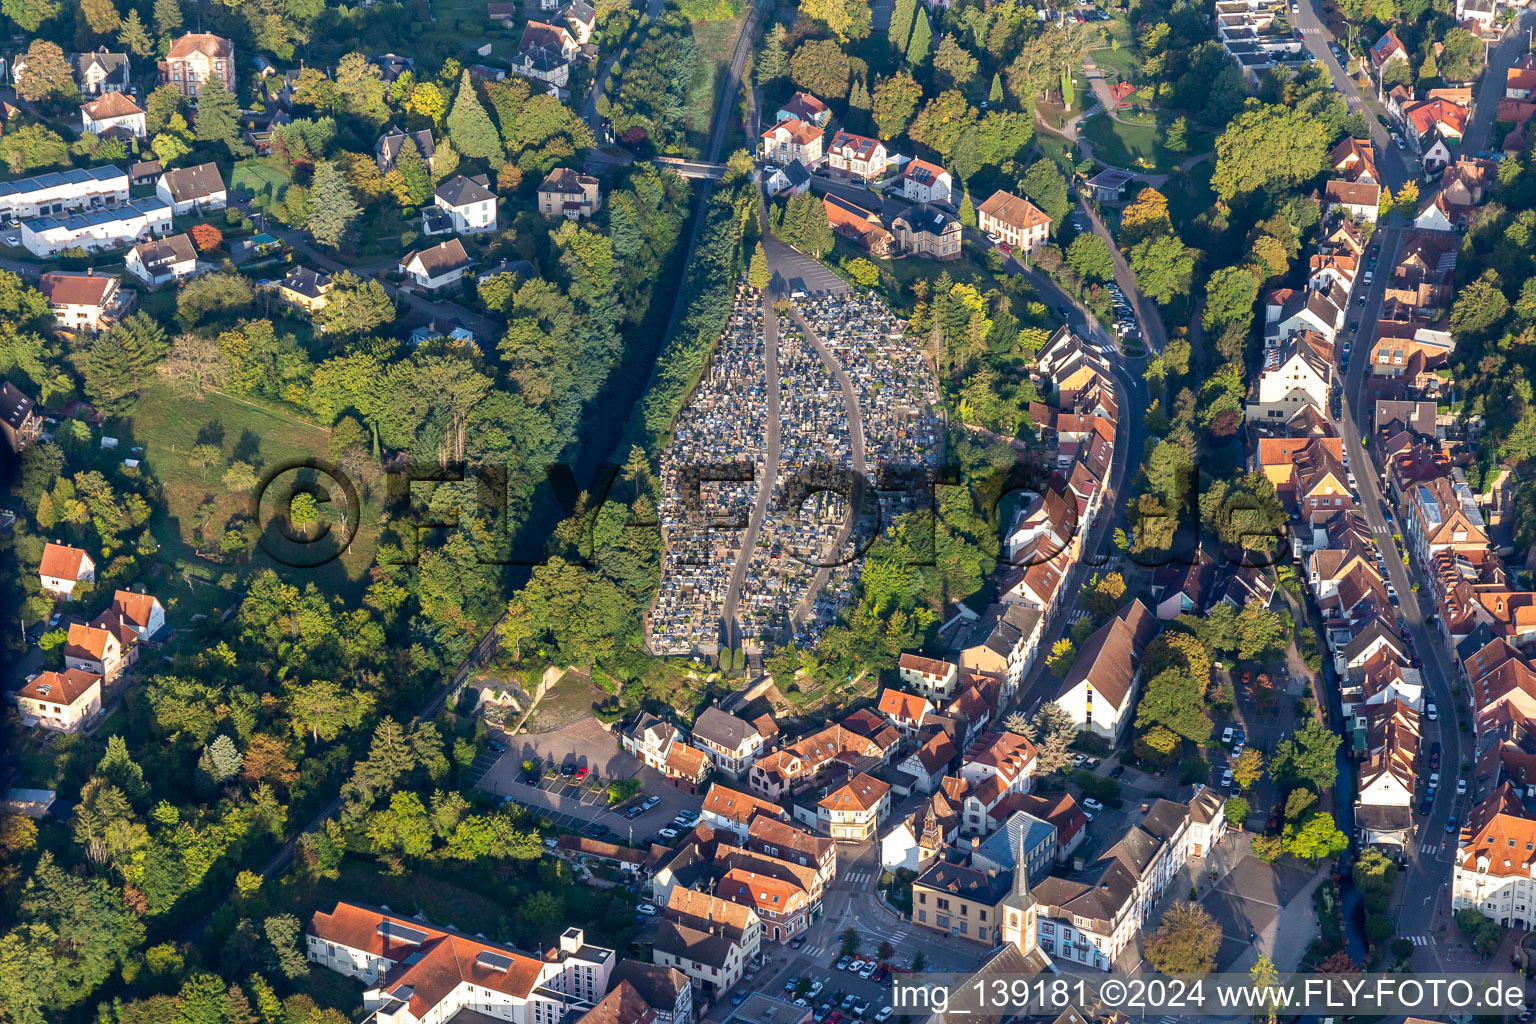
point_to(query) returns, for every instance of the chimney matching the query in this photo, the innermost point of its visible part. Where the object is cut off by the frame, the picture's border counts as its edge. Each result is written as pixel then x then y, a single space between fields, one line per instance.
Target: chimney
pixel 975 843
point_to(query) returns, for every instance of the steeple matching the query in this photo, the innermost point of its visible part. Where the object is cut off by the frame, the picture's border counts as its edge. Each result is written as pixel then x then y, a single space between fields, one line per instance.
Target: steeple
pixel 1019 905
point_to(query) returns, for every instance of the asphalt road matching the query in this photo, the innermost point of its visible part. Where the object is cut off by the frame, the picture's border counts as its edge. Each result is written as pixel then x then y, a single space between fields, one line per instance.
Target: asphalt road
pixel 1430 855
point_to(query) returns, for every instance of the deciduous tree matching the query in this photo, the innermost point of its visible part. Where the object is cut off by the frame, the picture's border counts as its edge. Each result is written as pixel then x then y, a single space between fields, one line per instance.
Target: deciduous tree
pixel 1186 942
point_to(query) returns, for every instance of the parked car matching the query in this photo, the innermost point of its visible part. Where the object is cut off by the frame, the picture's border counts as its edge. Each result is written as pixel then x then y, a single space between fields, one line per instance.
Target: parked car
pixel 1117 771
pixel 869 970
pixel 789 986
pixel 634 812
pixel 797 941
pixel 650 801
pixel 1226 736
pixel 884 1015
pixel 821 1012
pixel 647 909
pixel 842 964
pixel 815 989
pixel 1434 780
pixel 1093 762
pixel 1461 787
pixel 1092 804
pixel 1430 711
pixel 595 831
pixel 1226 778
pixel 1424 809
pixel 860 1007
pixel 1450 826
pixel 669 833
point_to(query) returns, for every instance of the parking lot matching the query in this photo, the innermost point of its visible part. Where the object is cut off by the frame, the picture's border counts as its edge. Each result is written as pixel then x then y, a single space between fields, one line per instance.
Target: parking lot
pixel 840 991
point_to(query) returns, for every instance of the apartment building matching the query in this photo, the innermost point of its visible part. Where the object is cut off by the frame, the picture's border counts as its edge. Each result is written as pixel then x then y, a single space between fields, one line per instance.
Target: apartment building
pixel 1495 868
pixel 961 901
pixel 60 701
pixel 1014 221
pixel 196 59
pixel 84 301
pixel 852 812
pixel 97 229
pixel 57 192
pixel 733 744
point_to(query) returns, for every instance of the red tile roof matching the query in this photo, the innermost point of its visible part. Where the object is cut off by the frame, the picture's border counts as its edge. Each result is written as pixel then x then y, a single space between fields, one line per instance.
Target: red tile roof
pixel 61 562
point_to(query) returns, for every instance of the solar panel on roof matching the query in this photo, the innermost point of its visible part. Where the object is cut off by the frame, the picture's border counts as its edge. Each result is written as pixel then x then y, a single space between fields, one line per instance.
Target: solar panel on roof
pixel 494 961
pixel 402 932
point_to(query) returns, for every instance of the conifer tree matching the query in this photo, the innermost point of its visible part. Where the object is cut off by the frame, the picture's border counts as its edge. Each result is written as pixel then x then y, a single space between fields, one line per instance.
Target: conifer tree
pixel 757 270
pixel 995 97
pixel 134 37
pixel 218 117
pixel 418 179
pixel 167 17
pixel 470 127
pixel 773 62
pixel 331 206
pixel 921 42
pixel 902 16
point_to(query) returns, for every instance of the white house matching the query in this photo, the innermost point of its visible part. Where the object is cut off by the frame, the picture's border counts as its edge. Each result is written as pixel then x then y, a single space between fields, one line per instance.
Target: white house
pixel 923 182
pixel 142 612
pixel 193 189
pixel 1293 376
pixel 438 267
pixel 58 191
pixel 163 260
pixel 62 567
pixel 92 649
pixel 858 155
pixel 80 301
pixel 97 229
pixel 419 974
pixel 1099 691
pixel 61 701
pixel 469 201
pixel 113 110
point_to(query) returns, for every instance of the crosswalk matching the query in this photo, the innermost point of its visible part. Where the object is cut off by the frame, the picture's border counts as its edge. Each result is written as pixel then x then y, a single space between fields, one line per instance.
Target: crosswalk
pixel 1418 940
pixel 1430 848
pixel 858 877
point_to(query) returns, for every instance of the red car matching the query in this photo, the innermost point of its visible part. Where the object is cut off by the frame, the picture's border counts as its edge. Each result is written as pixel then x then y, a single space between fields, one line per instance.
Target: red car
pixel 581 773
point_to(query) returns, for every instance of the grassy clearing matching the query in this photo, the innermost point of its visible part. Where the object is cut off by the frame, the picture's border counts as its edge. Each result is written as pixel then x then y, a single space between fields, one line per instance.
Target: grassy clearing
pixel 714 39
pixel 1111 59
pixel 198 504
pixel 1136 146
pixel 264 181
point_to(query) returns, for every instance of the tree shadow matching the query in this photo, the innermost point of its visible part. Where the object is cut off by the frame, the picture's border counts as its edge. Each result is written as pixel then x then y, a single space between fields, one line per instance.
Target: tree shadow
pixel 248 449
pixel 212 433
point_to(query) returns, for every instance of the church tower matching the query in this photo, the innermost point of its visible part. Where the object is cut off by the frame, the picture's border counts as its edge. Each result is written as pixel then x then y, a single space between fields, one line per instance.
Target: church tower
pixel 1019 906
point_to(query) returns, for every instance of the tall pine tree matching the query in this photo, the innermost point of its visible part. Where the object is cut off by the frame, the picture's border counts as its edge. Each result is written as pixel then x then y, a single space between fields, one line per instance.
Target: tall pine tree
pixel 109 374
pixel 995 97
pixel 418 179
pixel 167 17
pixel 773 62
pixel 331 206
pixel 134 37
pixel 218 117
pixel 902 16
pixel 921 42
pixel 470 127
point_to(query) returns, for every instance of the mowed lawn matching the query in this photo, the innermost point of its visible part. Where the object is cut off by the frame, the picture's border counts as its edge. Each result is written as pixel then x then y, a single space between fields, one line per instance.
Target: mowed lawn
pixel 714 39
pixel 1134 146
pixel 168 424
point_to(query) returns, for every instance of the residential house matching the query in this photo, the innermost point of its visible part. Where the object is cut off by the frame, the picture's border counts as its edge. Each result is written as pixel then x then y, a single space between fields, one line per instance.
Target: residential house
pixel 1424 276
pixel 803 106
pixel 861 226
pixel 852 812
pixel 719 914
pixel 1409 346
pixel 1092 924
pixel 569 194
pixel 145 172
pixel 418 973
pixel 546 64
pixel 541 34
pixel 305 288
pixel 193 189
pixel 790 179
pixel 1442 514
pixel 1180 586
pixel 60 701
pixel 438 267
pixel 857 156
pixel 97 72
pixel 1207 820
pixel 1387 49
pixel 579 18
pixel 1014 221
pixel 469 201
pixel 925 835
pixel 905 711
pixel 143 612
pixel 94 650
pixel 1357 200
pixel 823 758
pixel 20 425
pixel 59 191
pixel 961 901
pixel 197 58
pixel 1001 642
pixel 787 141
pixel 733 744
pixel 1287 311
pixel 1292 376
pixel 996 766
pixel 96 230
pixel 1021 831
pixel 666 990
pixel 931 231
pixel 1383 802
pixel 713 962
pixel 162 260
pixel 1494 860
pixel 923 182
pixel 928 676
pixel 113 110
pixel 1099 691
pixel 732 811
pixel 386 150
pixel 784 907
pixel 622 1005
pixel 83 301
pixel 930 762
pixel 1354 160
pixel 782 841
pixel 63 567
